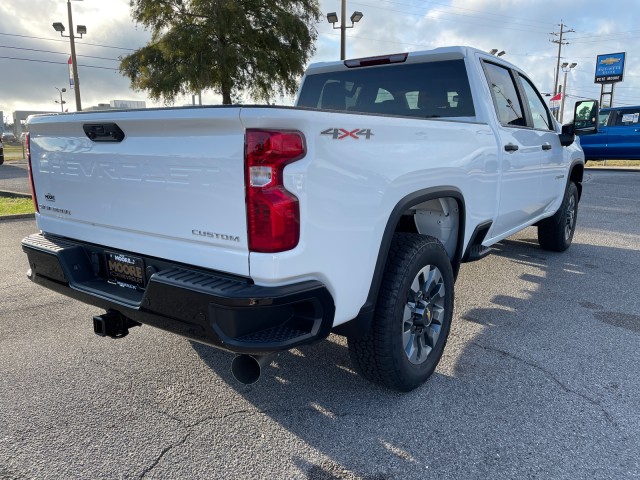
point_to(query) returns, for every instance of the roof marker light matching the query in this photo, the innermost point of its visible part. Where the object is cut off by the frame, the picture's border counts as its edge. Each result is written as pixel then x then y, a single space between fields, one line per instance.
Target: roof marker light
pixel 381 60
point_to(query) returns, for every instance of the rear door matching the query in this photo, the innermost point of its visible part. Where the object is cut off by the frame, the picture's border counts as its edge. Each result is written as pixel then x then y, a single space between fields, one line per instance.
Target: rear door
pixel 520 150
pixel 552 177
pixel 624 136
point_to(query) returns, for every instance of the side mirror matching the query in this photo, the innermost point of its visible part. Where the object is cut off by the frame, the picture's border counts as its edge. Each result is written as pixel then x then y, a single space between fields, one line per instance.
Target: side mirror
pixel 568 135
pixel 585 117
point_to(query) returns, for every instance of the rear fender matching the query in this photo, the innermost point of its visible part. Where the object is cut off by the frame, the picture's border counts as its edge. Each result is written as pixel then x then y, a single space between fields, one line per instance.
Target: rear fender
pixel 361 324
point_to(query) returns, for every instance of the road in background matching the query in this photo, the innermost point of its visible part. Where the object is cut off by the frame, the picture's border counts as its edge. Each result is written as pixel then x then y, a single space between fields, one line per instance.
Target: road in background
pixel 540 379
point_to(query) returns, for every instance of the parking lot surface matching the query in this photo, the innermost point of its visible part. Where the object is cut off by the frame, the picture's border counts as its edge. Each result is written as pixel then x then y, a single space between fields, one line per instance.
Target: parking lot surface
pixel 540 379
pixel 14 177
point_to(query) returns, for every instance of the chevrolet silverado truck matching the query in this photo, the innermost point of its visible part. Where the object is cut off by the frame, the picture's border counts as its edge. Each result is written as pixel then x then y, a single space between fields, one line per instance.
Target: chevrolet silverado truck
pixel 257 229
pixel 618 136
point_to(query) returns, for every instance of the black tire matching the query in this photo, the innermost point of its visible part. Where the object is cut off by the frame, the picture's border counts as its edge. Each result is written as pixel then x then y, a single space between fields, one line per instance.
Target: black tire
pixel 412 318
pixel 556 232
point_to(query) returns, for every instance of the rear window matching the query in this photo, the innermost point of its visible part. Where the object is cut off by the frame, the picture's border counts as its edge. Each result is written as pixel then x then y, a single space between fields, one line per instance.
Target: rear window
pixel 424 90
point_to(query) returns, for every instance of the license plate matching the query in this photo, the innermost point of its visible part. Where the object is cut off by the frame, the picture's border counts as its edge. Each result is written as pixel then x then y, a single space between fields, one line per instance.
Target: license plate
pixel 125 270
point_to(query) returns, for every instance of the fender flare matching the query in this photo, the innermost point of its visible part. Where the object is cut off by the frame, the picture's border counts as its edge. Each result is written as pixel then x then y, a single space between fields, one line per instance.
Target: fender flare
pixel 361 324
pixel 574 165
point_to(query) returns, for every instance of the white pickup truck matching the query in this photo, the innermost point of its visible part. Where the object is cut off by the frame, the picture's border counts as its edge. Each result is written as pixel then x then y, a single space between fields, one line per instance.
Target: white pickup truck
pixel 257 229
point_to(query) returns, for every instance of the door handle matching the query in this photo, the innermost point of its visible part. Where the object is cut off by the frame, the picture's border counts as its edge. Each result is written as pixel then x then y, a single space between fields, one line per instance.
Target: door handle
pixel 510 147
pixel 546 146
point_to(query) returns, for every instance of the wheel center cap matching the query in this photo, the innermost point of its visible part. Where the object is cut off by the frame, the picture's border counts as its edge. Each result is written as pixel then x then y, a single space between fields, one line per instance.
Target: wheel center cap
pixel 423 315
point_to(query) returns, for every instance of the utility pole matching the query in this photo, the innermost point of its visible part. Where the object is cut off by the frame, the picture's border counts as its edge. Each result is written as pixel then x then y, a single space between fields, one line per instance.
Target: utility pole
pixel 560 43
pixel 74 65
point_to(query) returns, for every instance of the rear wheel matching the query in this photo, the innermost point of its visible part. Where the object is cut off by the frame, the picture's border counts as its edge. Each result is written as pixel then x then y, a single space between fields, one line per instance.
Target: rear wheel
pixel 556 233
pixel 413 315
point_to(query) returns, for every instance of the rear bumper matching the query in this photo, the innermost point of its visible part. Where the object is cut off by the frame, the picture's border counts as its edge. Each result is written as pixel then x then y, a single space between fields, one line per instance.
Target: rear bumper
pixel 221 310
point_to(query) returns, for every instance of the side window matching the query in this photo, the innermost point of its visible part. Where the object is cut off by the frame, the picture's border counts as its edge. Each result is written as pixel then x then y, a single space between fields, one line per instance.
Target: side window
pixel 505 95
pixel 603 119
pixel 539 112
pixel 628 117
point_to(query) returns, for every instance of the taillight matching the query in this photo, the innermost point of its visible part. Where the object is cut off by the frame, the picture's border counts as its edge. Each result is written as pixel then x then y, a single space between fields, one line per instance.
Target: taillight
pixel 273 214
pixel 27 147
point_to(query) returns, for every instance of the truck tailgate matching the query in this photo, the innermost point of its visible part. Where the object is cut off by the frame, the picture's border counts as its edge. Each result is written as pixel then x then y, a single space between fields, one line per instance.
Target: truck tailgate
pixel 173 187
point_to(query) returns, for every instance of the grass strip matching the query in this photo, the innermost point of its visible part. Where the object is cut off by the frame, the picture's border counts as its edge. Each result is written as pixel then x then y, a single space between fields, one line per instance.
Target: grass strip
pixel 12 152
pixel 613 163
pixel 15 206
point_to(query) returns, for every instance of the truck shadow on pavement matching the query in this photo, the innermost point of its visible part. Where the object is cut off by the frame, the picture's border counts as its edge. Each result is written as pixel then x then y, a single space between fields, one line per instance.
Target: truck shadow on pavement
pixel 517 377
pixel 314 393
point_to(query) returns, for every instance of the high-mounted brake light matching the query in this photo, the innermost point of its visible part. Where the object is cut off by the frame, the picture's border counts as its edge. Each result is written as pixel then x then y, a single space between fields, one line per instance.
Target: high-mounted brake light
pixel 381 60
pixel 273 214
pixel 27 148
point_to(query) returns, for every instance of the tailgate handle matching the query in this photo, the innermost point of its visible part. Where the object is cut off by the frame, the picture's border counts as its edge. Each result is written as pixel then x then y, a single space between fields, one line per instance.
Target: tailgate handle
pixel 103 132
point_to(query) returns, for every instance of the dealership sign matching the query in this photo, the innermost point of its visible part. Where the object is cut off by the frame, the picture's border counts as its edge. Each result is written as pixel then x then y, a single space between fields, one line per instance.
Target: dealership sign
pixel 610 67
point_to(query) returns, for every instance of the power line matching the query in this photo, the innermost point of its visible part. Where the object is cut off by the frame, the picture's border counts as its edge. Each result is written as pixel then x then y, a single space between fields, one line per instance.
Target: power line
pixel 59 53
pixel 492 25
pixel 614 35
pixel 384 41
pixel 60 40
pixel 58 63
pixel 607 41
pixel 448 12
pixel 625 98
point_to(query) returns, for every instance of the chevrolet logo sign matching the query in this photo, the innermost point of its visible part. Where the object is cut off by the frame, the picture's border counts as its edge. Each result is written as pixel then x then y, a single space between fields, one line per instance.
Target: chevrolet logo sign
pixel 609 61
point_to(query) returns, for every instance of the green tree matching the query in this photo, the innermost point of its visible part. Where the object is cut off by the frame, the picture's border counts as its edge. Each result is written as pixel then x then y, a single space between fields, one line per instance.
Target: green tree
pixel 258 46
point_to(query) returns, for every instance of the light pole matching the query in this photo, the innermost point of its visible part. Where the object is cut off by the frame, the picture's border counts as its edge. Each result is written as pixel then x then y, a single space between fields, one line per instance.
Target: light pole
pixel 62 102
pixel 566 68
pixel 82 30
pixel 333 19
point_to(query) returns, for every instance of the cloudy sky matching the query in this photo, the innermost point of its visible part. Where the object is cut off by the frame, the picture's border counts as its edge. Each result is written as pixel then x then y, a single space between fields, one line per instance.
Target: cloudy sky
pixel 33 57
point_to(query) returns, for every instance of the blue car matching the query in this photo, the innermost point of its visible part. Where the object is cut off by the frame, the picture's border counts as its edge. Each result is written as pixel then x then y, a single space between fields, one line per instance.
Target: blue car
pixel 618 136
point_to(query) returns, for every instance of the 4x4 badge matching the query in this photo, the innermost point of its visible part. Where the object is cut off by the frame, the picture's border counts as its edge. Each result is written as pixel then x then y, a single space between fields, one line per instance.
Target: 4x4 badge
pixel 341 133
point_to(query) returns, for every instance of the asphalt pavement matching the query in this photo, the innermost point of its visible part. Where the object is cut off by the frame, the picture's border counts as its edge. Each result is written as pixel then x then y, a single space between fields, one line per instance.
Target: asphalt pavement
pixel 540 379
pixel 14 177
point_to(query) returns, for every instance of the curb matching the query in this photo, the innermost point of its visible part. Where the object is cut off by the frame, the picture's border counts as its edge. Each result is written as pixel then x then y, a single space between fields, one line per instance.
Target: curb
pixel 9 193
pixel 19 216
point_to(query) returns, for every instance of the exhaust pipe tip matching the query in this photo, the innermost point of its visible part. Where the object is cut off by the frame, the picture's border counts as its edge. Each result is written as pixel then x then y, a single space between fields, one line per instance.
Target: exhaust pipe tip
pixel 247 368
